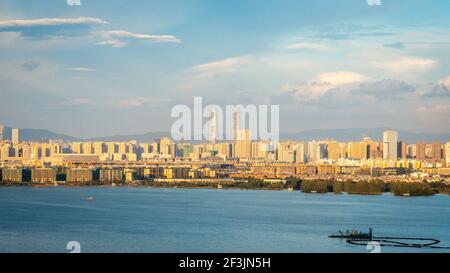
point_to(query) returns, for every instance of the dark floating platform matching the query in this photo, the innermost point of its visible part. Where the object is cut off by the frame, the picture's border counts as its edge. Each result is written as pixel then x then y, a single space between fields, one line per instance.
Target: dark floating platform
pixel 362 239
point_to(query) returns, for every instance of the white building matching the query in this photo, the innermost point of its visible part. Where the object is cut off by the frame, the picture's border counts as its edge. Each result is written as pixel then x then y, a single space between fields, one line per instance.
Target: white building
pixel 390 139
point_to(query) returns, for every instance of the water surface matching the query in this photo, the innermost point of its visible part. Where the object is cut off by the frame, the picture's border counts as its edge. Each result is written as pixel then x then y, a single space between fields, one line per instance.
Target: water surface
pixel 198 220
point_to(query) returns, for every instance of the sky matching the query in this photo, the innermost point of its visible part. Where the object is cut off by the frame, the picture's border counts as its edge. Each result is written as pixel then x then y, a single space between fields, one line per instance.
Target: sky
pixel 108 67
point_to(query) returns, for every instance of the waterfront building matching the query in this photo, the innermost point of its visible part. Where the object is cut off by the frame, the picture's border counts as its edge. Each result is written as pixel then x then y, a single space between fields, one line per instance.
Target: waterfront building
pixel 390 142
pixel 79 175
pixel 16 175
pixel 176 172
pixel 43 175
pixel 111 175
pixel 60 159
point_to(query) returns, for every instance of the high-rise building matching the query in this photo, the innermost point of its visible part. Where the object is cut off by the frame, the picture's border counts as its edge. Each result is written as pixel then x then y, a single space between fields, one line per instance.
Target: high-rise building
pixel 447 153
pixel 2 133
pixel 334 150
pixel 167 148
pixel 243 144
pixel 411 149
pixel 300 152
pixel 436 151
pixel 390 139
pixel 401 150
pixel 15 136
pixel 357 150
pixel 236 124
pixel 212 134
pixel 420 151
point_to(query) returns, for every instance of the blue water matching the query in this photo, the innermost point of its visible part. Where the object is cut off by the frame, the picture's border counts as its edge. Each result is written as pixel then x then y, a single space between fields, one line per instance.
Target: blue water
pixel 192 220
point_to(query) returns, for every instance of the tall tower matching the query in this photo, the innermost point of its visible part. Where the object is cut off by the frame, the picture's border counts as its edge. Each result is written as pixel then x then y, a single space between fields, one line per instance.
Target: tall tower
pixel 15 136
pixel 236 123
pixel 2 133
pixel 212 134
pixel 390 139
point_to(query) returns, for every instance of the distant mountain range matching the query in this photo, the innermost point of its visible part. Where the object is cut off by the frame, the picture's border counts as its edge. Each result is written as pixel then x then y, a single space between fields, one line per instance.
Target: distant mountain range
pixel 352 134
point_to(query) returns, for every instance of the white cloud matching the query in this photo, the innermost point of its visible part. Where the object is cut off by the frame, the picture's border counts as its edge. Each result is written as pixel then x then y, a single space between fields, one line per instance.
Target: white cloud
pixel 78 102
pixel 445 82
pixel 113 43
pixel 42 22
pixel 323 84
pixel 120 38
pixel 341 78
pixel 309 46
pixel 406 65
pixel 142 101
pixel 434 109
pixel 209 70
pixel 82 69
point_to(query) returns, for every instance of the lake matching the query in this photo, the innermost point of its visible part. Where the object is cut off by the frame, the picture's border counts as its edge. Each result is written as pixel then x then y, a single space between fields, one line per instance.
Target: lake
pixel 202 220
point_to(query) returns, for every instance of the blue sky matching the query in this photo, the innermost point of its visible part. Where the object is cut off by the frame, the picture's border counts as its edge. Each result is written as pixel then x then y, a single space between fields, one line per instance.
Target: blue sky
pixel 118 67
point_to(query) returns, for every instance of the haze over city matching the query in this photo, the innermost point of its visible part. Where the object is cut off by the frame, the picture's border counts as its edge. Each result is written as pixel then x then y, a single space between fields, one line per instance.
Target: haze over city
pixel 118 68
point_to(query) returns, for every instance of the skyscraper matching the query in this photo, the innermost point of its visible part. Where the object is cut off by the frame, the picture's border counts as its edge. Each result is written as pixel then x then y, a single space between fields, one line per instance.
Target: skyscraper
pixel 390 139
pixel 15 136
pixel 212 134
pixel 2 133
pixel 236 124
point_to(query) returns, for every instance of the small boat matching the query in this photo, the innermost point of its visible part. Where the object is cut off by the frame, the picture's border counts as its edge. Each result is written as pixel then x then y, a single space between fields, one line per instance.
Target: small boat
pixel 89 198
pixel 406 194
pixel 220 186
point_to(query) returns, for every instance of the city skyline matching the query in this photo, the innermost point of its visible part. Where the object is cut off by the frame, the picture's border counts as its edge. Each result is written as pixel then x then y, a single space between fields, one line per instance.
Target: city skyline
pixel 391 148
pixel 90 70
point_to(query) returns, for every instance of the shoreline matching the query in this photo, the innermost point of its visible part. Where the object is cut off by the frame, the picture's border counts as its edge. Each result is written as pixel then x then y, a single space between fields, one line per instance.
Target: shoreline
pixel 208 188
